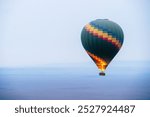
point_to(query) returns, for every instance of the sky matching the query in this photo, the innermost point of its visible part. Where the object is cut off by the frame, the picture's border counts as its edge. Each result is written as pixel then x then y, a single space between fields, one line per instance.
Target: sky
pixel 44 32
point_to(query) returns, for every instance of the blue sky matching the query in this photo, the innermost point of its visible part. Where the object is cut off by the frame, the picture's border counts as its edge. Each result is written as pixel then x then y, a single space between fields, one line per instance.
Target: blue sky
pixel 44 32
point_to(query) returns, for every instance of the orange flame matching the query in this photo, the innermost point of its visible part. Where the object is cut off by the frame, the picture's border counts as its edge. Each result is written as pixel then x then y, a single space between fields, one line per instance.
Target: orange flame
pixel 101 64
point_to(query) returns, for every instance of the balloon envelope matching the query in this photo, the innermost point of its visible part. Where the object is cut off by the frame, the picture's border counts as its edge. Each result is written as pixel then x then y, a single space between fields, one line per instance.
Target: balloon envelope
pixel 102 39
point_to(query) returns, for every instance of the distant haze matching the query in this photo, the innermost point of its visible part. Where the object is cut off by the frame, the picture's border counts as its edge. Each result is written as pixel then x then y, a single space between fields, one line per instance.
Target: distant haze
pixel 42 32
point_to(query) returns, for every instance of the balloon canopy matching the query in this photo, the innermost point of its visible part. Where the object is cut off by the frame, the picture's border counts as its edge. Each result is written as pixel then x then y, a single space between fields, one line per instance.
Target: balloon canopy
pixel 102 39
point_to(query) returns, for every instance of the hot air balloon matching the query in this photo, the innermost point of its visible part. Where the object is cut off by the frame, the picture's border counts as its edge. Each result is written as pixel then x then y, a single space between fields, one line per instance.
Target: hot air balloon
pixel 102 39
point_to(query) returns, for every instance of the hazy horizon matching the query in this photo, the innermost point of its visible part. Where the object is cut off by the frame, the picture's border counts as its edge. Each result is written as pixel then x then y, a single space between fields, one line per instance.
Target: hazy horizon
pixel 76 83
